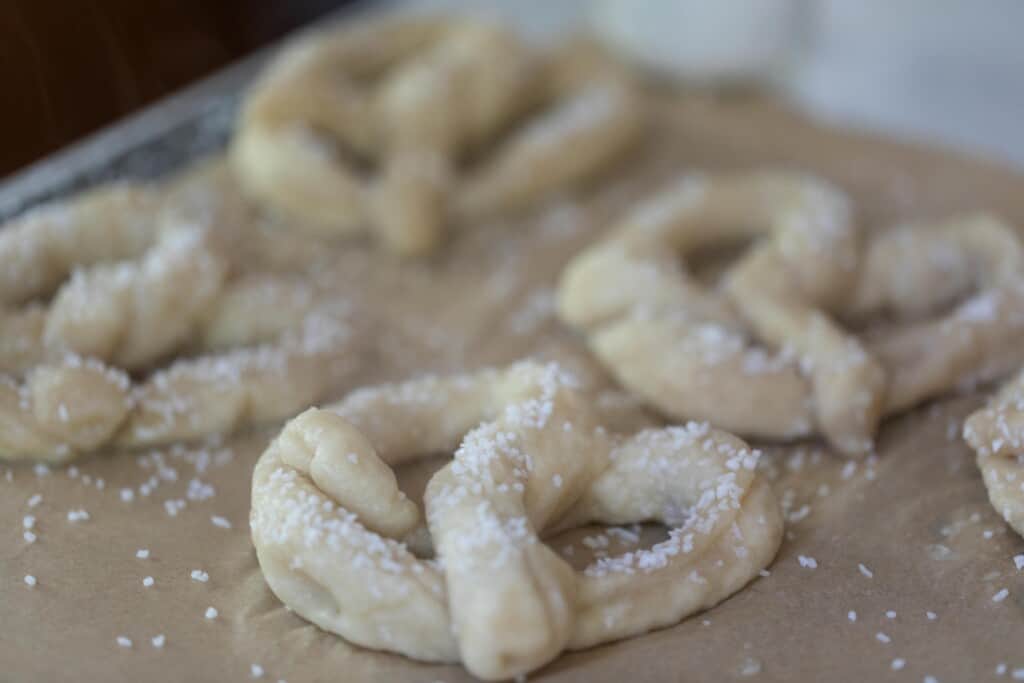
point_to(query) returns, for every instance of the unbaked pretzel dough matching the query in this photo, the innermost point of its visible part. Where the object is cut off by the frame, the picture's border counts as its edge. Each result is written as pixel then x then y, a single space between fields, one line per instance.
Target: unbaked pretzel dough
pixel 331 527
pixel 160 282
pixel 415 98
pixel 688 348
pixel 996 433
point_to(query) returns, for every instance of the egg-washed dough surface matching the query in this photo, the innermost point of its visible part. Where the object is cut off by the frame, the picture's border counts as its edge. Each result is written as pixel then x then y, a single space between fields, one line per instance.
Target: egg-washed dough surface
pixel 916 518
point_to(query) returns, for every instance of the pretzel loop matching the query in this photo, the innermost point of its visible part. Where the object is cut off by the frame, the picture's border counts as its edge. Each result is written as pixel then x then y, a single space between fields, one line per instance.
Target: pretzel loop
pixel 690 349
pixel 327 520
pixel 369 128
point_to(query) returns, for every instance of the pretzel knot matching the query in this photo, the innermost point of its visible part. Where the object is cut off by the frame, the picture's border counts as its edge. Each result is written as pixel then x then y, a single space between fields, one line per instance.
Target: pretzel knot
pixel 996 433
pixel 171 289
pixel 414 100
pixel 691 349
pixel 333 532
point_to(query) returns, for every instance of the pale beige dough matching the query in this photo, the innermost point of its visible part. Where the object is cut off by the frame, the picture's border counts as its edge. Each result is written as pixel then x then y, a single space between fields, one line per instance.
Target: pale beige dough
pixel 414 98
pixel 695 351
pixel 245 347
pixel 332 531
pixel 996 433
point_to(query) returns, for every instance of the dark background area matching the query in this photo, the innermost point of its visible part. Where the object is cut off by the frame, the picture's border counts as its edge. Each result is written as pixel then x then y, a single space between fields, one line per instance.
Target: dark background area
pixel 68 67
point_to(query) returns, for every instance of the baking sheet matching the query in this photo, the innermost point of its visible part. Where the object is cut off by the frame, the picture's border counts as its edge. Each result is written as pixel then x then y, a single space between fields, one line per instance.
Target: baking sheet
pixel 916 517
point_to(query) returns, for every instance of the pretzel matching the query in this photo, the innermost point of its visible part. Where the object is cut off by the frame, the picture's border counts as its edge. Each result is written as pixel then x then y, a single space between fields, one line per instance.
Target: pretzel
pixel 414 98
pixel 332 530
pixel 687 348
pixel 181 294
pixel 996 433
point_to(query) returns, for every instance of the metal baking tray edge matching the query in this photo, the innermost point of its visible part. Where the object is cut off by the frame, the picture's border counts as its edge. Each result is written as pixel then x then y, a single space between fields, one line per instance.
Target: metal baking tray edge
pixel 165 136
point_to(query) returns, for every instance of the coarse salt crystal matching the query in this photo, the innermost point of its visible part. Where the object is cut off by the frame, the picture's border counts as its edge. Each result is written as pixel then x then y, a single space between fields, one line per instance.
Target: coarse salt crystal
pixel 28 521
pixel 30 580
pixel 1018 674
pixel 932 616
pixel 36 499
pixel 1001 595
pixel 211 613
pixel 1001 669
pixel 808 562
pixel 127 495
pixel 77 515
pixel 931 679
pixel 158 641
pixel 890 614
pixel 883 638
pixel 148 581
pixel 200 575
pixel 222 522
pixel 1018 561
pixel 256 670
pixel 865 571
pixel 29 537
pixel 851 615
pixel 142 553
pixel 124 642
pixel 898 663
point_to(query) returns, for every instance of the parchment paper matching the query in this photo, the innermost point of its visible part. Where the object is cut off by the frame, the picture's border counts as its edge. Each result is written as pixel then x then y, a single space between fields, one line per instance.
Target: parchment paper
pixel 917 518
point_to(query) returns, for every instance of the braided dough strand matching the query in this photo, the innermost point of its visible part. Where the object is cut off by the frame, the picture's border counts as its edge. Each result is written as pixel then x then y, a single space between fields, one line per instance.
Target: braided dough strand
pixel 40 249
pixel 996 433
pixel 327 515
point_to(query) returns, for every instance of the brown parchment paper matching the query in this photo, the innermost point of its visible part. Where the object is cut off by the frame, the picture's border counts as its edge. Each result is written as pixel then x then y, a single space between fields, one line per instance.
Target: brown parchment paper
pixel 917 517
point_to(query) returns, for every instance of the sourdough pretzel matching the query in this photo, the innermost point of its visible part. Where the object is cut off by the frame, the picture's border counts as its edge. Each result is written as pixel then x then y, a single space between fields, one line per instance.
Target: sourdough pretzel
pixel 414 97
pixel 328 520
pixel 996 433
pixel 686 348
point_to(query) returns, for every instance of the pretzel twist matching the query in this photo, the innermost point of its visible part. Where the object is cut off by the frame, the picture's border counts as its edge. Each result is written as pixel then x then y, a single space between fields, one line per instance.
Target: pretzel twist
pixel 996 433
pixel 414 98
pixel 687 348
pixel 328 520
pixel 181 294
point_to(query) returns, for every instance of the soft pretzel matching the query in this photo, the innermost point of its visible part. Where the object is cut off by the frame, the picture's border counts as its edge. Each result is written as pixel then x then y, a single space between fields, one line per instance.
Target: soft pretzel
pixel 170 286
pixel 67 407
pixel 331 527
pixel 687 348
pixel 996 433
pixel 414 98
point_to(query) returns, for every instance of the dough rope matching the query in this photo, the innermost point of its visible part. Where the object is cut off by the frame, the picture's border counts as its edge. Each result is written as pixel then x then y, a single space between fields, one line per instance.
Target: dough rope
pixel 690 350
pixel 414 98
pixel 996 433
pixel 65 391
pixel 333 532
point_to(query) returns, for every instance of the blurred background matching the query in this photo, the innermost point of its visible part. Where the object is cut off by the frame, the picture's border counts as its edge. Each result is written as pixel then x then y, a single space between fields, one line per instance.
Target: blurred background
pixel 945 72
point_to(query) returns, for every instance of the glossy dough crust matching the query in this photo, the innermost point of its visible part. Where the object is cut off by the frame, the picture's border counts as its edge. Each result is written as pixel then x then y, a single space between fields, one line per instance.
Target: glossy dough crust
pixel 996 433
pixel 700 352
pixel 368 129
pixel 333 533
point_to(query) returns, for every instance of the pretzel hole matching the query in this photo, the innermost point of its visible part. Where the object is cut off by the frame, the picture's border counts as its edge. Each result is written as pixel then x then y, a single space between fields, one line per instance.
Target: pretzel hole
pixel 583 546
pixel 412 479
pixel 708 265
